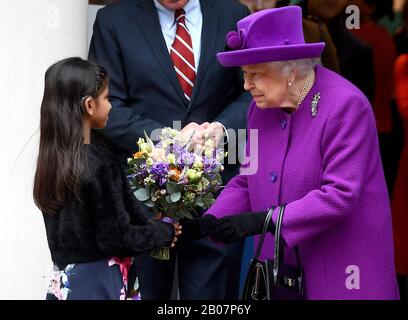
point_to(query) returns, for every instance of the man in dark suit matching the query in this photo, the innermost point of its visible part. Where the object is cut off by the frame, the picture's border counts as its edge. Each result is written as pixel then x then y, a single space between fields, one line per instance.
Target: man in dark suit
pixel 132 39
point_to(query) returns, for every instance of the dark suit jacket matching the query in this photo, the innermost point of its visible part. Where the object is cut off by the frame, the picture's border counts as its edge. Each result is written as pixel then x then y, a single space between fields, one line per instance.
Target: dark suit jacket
pixel 144 90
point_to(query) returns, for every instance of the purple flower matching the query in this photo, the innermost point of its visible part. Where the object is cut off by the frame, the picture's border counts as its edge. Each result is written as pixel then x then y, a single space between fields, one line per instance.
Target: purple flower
pixel 176 149
pixel 141 172
pixel 210 164
pixel 186 159
pixel 159 172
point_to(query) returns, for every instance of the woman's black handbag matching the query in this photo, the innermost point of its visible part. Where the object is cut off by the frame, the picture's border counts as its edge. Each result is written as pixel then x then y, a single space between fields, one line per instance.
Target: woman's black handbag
pixel 272 279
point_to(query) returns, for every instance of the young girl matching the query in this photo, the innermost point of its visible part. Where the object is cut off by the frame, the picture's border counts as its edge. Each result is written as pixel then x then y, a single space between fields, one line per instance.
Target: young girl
pixel 91 217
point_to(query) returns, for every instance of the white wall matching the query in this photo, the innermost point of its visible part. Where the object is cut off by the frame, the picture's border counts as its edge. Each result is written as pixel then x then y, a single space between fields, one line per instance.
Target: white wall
pixel 92 10
pixel 33 35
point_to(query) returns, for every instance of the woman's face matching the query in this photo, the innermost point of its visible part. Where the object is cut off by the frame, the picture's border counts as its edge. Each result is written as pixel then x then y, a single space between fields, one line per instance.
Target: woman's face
pixel 268 87
pixel 102 109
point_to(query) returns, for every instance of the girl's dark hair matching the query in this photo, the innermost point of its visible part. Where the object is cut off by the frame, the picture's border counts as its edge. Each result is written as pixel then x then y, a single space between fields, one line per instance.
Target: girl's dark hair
pixel 61 160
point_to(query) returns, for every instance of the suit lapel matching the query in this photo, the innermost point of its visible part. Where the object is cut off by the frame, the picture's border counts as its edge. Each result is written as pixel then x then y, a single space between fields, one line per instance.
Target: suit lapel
pixel 148 20
pixel 208 37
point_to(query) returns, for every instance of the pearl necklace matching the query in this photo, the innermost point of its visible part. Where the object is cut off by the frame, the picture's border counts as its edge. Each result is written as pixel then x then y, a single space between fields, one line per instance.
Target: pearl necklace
pixel 305 89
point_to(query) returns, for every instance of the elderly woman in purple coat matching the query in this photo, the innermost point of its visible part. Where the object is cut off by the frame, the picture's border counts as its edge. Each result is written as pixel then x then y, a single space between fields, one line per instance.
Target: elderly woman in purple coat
pixel 318 153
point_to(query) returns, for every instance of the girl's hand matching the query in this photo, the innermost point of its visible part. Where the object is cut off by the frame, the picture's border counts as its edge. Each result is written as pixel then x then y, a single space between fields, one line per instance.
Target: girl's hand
pixel 177 232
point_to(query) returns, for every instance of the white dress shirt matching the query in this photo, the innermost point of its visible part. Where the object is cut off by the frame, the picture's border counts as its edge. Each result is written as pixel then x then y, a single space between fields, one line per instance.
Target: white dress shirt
pixel 194 22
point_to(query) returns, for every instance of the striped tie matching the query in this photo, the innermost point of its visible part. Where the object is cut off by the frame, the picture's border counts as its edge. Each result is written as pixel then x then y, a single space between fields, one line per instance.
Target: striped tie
pixel 183 56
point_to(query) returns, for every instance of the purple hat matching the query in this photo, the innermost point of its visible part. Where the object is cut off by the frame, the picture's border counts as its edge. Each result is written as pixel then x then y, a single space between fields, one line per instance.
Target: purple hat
pixel 269 35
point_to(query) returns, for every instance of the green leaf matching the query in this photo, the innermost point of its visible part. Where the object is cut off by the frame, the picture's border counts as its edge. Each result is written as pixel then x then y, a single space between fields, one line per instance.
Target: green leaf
pixel 148 140
pixel 142 194
pixel 138 161
pixel 149 204
pixel 184 213
pixel 218 178
pixel 208 202
pixel 161 253
pixel 171 188
pixel 175 197
pixel 200 203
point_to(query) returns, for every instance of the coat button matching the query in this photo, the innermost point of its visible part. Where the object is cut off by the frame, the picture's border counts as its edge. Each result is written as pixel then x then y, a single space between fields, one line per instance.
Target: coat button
pixel 283 124
pixel 274 177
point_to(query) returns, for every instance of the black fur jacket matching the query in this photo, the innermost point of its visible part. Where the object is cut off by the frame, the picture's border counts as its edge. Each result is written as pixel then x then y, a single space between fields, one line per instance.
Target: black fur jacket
pixel 108 220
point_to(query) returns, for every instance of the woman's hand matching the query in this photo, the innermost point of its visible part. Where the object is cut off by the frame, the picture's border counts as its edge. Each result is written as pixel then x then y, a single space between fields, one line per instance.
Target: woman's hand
pixel 234 227
pixel 197 228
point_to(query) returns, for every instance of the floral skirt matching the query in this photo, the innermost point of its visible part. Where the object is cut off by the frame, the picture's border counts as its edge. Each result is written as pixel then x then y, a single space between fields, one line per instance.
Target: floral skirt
pixel 99 280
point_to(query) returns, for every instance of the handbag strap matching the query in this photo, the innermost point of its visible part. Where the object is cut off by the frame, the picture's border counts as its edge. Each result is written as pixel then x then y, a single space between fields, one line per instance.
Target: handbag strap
pixel 278 227
pixel 277 253
pixel 277 244
pixel 264 231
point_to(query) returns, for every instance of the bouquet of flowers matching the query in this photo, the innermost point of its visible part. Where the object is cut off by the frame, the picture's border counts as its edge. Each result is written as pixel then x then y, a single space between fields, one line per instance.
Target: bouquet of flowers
pixel 172 179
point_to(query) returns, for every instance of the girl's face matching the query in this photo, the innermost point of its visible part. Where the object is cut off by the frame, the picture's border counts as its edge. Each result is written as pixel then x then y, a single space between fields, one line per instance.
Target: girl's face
pixel 99 118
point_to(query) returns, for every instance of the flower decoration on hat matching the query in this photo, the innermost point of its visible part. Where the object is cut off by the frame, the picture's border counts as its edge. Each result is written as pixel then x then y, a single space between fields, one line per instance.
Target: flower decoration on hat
pixel 236 40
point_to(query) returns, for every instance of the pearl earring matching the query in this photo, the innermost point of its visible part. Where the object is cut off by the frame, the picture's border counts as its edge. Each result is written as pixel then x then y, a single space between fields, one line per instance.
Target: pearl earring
pixel 290 83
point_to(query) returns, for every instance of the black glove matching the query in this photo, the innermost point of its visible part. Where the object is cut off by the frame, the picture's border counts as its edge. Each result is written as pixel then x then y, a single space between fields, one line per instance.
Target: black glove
pixel 196 228
pixel 234 227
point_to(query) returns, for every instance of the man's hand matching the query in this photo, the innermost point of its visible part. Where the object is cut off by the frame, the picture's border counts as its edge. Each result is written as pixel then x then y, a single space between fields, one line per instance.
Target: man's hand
pixel 198 130
pixel 215 132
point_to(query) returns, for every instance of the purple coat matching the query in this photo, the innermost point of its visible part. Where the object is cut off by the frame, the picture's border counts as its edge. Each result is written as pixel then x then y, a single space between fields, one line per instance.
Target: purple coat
pixel 328 170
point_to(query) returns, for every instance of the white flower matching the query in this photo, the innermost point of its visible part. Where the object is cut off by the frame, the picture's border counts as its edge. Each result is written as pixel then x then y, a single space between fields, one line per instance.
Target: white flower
pixel 158 154
pixel 193 174
pixel 198 165
pixel 209 143
pixel 220 156
pixel 208 153
pixel 171 158
pixel 205 182
pixel 145 147
pixel 148 180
